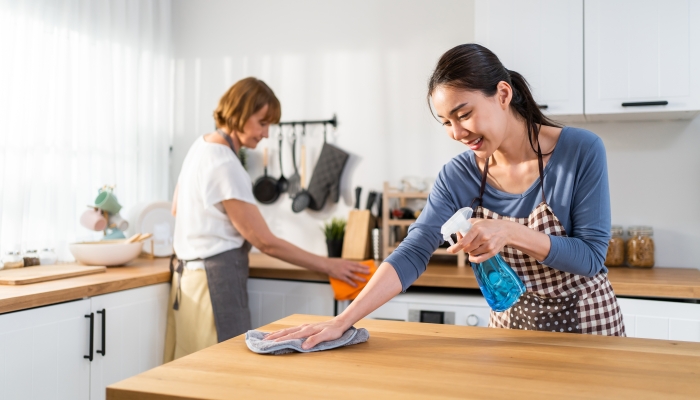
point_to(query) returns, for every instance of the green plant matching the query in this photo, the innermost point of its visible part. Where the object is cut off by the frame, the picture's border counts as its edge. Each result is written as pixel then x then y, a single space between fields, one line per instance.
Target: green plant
pixel 335 229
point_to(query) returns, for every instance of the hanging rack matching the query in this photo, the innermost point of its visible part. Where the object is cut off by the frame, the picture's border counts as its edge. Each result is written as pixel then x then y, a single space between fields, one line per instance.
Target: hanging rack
pixel 333 121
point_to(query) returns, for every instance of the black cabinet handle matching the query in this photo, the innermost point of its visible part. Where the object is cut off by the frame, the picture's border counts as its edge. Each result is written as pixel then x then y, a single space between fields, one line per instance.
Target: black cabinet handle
pixel 543 106
pixel 104 325
pixel 92 331
pixel 645 103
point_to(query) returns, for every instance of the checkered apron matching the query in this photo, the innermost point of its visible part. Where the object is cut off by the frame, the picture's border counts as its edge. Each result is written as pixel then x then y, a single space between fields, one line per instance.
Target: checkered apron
pixel 555 300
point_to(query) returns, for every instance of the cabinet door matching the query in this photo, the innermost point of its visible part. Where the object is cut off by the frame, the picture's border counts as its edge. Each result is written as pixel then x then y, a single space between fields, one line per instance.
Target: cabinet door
pixel 42 352
pixel 273 299
pixel 667 320
pixel 543 41
pixel 640 51
pixel 134 336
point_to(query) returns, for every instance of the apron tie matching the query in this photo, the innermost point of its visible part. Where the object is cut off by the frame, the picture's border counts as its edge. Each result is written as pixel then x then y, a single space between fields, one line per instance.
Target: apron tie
pixel 179 269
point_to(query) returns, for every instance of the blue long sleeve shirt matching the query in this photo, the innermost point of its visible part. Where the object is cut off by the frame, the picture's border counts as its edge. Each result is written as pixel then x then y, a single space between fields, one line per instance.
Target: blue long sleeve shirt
pixel 575 186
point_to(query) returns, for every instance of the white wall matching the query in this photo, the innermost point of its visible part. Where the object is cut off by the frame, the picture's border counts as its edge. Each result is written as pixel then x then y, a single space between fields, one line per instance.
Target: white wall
pixel 368 61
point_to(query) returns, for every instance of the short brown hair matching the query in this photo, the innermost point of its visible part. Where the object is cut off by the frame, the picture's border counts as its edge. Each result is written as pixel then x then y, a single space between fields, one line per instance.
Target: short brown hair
pixel 243 99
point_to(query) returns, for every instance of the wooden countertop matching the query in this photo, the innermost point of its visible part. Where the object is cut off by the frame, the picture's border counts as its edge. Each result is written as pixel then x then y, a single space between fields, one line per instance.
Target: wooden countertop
pixel 140 272
pixel 414 360
pixel 678 283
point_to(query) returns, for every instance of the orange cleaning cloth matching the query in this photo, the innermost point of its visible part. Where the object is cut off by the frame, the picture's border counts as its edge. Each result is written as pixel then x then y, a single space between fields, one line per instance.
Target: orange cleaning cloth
pixel 343 291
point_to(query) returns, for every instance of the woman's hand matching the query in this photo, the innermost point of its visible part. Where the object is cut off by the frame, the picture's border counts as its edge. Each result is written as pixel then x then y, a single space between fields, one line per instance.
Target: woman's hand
pixel 316 333
pixel 346 271
pixel 485 239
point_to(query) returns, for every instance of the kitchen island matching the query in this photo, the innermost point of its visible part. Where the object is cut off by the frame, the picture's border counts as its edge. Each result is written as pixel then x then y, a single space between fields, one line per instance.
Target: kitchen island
pixel 413 360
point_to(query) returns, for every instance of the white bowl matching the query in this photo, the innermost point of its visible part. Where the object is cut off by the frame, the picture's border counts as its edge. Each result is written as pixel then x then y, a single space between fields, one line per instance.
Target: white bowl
pixel 105 253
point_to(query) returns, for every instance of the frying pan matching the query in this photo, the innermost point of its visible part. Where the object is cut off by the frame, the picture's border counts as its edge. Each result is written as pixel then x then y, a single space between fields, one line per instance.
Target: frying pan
pixel 265 188
pixel 303 198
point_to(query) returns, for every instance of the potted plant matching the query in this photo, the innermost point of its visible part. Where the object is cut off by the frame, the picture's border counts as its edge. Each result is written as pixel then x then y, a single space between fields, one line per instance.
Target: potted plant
pixel 334 231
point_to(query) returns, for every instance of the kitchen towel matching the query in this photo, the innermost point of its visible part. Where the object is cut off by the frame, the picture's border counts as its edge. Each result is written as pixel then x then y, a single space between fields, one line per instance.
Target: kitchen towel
pixel 343 291
pixel 325 181
pixel 256 342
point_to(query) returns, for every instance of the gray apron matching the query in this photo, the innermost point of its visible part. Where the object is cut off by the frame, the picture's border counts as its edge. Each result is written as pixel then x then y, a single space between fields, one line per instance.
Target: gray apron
pixel 227 278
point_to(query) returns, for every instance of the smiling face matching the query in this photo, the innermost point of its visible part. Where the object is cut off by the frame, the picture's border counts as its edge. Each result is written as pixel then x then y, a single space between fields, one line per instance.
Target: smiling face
pixel 255 128
pixel 470 117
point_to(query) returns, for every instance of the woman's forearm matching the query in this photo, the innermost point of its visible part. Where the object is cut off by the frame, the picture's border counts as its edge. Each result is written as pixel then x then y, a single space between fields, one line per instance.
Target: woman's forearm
pixel 384 285
pixel 533 243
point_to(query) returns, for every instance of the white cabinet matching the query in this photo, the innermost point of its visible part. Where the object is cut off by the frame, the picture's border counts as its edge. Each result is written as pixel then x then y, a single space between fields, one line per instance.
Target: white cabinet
pixel 543 41
pixel 642 51
pixel 42 353
pixel 272 299
pixel 654 319
pixel 134 337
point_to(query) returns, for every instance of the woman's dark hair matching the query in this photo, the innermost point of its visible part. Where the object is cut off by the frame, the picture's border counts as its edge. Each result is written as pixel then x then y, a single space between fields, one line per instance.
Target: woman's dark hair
pixel 474 67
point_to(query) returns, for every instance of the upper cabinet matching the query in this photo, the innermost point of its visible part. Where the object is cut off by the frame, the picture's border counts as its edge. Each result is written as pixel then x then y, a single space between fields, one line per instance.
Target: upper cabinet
pixel 640 57
pixel 543 41
pixel 634 59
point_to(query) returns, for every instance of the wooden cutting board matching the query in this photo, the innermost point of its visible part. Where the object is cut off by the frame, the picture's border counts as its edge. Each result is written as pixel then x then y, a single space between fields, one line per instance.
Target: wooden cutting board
pixel 358 233
pixel 27 275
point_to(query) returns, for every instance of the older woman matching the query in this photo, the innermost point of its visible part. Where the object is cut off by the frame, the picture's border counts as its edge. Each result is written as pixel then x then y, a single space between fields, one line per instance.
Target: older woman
pixel 217 220
pixel 541 199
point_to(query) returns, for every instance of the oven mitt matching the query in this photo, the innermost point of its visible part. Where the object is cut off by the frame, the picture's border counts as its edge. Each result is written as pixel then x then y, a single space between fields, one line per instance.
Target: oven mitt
pixel 256 342
pixel 325 180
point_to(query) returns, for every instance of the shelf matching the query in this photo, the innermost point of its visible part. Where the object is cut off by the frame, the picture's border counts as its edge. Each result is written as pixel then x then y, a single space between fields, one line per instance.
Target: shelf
pixel 400 222
pixel 407 195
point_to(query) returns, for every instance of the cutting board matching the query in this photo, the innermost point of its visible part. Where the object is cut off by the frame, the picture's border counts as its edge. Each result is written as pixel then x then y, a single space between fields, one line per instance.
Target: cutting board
pixel 358 232
pixel 27 275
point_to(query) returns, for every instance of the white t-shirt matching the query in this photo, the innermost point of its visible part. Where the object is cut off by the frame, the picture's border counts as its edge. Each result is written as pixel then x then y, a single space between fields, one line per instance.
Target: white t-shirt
pixel 211 173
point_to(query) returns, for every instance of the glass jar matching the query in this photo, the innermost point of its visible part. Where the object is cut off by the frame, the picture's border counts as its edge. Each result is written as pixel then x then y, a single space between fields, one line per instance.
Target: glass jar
pixel 12 259
pixel 616 248
pixel 47 257
pixel 640 247
pixel 31 258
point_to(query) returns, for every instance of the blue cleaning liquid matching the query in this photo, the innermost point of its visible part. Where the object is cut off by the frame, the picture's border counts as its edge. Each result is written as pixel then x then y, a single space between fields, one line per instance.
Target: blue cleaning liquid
pixel 500 285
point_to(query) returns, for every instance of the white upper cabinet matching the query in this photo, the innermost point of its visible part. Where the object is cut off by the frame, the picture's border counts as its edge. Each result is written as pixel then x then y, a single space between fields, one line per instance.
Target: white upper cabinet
pixel 543 41
pixel 641 52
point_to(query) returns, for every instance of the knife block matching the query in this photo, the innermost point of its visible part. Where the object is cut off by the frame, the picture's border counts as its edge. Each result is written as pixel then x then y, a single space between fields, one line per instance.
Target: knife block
pixel 358 235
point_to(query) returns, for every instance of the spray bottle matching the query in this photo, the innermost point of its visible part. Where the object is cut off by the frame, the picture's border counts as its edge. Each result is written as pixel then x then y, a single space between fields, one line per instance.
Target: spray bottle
pixel 500 285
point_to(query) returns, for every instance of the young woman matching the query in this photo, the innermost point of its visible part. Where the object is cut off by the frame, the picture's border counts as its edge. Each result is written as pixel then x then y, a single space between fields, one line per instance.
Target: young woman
pixel 217 220
pixel 541 200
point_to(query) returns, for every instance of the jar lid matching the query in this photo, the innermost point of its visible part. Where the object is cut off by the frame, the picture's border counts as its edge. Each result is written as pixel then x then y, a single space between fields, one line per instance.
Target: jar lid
pixel 617 230
pixel 641 230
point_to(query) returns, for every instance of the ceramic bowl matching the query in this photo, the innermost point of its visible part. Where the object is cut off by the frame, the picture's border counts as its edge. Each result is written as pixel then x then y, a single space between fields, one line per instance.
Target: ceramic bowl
pixel 105 253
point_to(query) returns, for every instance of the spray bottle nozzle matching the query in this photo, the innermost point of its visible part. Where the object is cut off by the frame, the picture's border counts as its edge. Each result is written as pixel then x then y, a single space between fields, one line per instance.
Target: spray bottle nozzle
pixel 459 222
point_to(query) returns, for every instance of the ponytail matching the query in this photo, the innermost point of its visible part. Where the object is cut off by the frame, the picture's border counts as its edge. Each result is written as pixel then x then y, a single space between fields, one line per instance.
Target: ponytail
pixel 474 67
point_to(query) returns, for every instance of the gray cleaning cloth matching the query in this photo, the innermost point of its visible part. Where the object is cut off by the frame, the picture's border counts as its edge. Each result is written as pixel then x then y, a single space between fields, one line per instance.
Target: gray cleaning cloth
pixel 256 342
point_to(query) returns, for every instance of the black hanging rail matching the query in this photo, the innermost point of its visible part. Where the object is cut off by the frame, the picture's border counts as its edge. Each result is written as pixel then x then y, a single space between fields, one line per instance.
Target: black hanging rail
pixel 333 121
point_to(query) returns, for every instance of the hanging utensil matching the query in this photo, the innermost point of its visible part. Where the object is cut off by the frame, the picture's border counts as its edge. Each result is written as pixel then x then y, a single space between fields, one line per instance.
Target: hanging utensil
pixel 265 188
pixel 303 198
pixel 295 179
pixel 282 182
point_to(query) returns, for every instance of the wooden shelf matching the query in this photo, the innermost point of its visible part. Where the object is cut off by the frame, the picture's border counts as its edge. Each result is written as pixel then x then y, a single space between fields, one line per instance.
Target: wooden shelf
pixel 400 222
pixel 407 195
pixel 387 223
